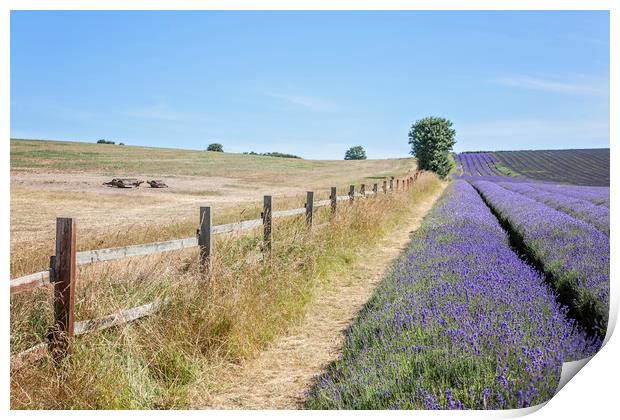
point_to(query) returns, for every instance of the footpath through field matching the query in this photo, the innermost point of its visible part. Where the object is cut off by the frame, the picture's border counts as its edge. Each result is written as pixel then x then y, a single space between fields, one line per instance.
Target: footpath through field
pixel 279 376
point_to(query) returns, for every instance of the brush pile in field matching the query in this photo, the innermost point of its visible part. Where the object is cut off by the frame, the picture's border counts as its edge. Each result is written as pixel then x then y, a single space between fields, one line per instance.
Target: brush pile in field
pixel 124 183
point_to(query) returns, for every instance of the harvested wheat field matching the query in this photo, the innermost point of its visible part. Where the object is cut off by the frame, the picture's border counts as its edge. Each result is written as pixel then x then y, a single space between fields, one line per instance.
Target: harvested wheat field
pixel 53 179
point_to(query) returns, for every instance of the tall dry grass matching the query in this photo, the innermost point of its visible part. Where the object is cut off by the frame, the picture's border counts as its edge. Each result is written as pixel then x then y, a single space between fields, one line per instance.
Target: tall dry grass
pixel 32 255
pixel 174 357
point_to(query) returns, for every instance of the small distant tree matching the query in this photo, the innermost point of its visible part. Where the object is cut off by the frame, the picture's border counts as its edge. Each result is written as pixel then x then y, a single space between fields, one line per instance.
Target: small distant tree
pixel 215 147
pixel 355 153
pixel 121 144
pixel 432 139
pixel 104 141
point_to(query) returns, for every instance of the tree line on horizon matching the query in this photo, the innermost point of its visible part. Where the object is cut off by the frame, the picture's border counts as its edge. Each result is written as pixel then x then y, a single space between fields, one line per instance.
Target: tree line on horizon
pixel 431 140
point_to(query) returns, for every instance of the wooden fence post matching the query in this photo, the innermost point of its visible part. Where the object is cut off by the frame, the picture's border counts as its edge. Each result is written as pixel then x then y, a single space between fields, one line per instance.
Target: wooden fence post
pixel 391 184
pixel 351 193
pixel 397 184
pixel 384 187
pixel 205 241
pixel 374 189
pixel 334 198
pixel 64 271
pixel 309 207
pixel 266 215
pixel 363 190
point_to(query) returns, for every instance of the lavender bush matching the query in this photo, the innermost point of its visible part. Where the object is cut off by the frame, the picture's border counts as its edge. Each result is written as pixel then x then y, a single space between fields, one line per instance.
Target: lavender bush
pixel 596 195
pixel 460 322
pixel 573 253
pixel 597 216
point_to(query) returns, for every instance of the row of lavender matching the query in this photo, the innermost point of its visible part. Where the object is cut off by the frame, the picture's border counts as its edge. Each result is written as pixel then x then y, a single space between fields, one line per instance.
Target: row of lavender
pixel 460 322
pixel 596 215
pixel 596 195
pixel 479 164
pixel 573 254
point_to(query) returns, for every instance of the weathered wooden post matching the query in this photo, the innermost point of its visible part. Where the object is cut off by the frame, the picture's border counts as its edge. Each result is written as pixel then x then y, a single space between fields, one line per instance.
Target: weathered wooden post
pixel 392 184
pixel 363 190
pixel 374 189
pixel 266 215
pixel 205 241
pixel 334 198
pixel 397 184
pixel 384 187
pixel 309 207
pixel 63 271
pixel 351 193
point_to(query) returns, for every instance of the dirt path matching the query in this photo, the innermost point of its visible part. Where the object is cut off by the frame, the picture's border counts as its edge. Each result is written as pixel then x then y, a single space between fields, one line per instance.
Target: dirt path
pixel 279 376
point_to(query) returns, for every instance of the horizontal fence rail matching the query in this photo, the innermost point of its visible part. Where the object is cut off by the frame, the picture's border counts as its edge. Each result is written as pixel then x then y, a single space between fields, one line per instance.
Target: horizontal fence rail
pixel 65 275
pixel 84 327
pixel 32 281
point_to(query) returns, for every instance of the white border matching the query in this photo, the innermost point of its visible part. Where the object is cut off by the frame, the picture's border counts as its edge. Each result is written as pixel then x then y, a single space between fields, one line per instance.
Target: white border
pixel 593 394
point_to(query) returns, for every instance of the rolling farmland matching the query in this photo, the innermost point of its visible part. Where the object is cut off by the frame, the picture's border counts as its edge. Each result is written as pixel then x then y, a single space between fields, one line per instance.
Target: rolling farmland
pixel 505 280
pixel 587 167
pixel 578 167
pixel 156 321
pixel 50 175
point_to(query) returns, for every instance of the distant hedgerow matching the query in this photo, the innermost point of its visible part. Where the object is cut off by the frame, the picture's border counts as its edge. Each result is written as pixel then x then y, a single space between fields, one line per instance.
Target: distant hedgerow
pixel 274 154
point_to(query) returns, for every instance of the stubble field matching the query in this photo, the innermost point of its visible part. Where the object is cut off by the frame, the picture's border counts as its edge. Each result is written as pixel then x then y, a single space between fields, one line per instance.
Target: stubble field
pixel 52 179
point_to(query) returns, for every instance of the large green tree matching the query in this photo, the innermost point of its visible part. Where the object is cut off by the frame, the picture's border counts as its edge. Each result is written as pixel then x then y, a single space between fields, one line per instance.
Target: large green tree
pixel 355 153
pixel 432 139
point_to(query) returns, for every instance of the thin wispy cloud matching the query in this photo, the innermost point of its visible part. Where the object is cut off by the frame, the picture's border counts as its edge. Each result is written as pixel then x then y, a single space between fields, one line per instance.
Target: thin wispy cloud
pixel 572 87
pixel 308 102
pixel 160 111
pixel 533 133
pixel 59 110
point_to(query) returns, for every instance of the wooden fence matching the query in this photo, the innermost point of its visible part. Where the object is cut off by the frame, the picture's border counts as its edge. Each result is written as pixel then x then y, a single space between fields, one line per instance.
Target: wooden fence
pixel 62 273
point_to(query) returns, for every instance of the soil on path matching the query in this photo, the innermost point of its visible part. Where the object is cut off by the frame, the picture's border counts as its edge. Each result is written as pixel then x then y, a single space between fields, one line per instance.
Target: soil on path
pixel 279 377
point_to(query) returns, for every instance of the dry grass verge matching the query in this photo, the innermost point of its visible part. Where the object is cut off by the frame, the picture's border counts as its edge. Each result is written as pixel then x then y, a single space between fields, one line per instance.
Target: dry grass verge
pixel 166 360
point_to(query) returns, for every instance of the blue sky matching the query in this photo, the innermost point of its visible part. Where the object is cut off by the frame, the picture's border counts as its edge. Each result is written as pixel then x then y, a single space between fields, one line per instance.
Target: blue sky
pixel 311 83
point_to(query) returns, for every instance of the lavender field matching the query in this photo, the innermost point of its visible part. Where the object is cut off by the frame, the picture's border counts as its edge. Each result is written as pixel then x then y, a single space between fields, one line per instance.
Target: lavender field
pixel 461 322
pixel 581 167
pixel 507 279
pixel 571 252
pixel 595 215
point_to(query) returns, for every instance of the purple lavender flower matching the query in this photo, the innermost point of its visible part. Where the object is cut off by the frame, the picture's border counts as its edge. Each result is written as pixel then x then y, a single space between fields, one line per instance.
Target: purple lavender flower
pixel 471 308
pixel 573 253
pixel 597 216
